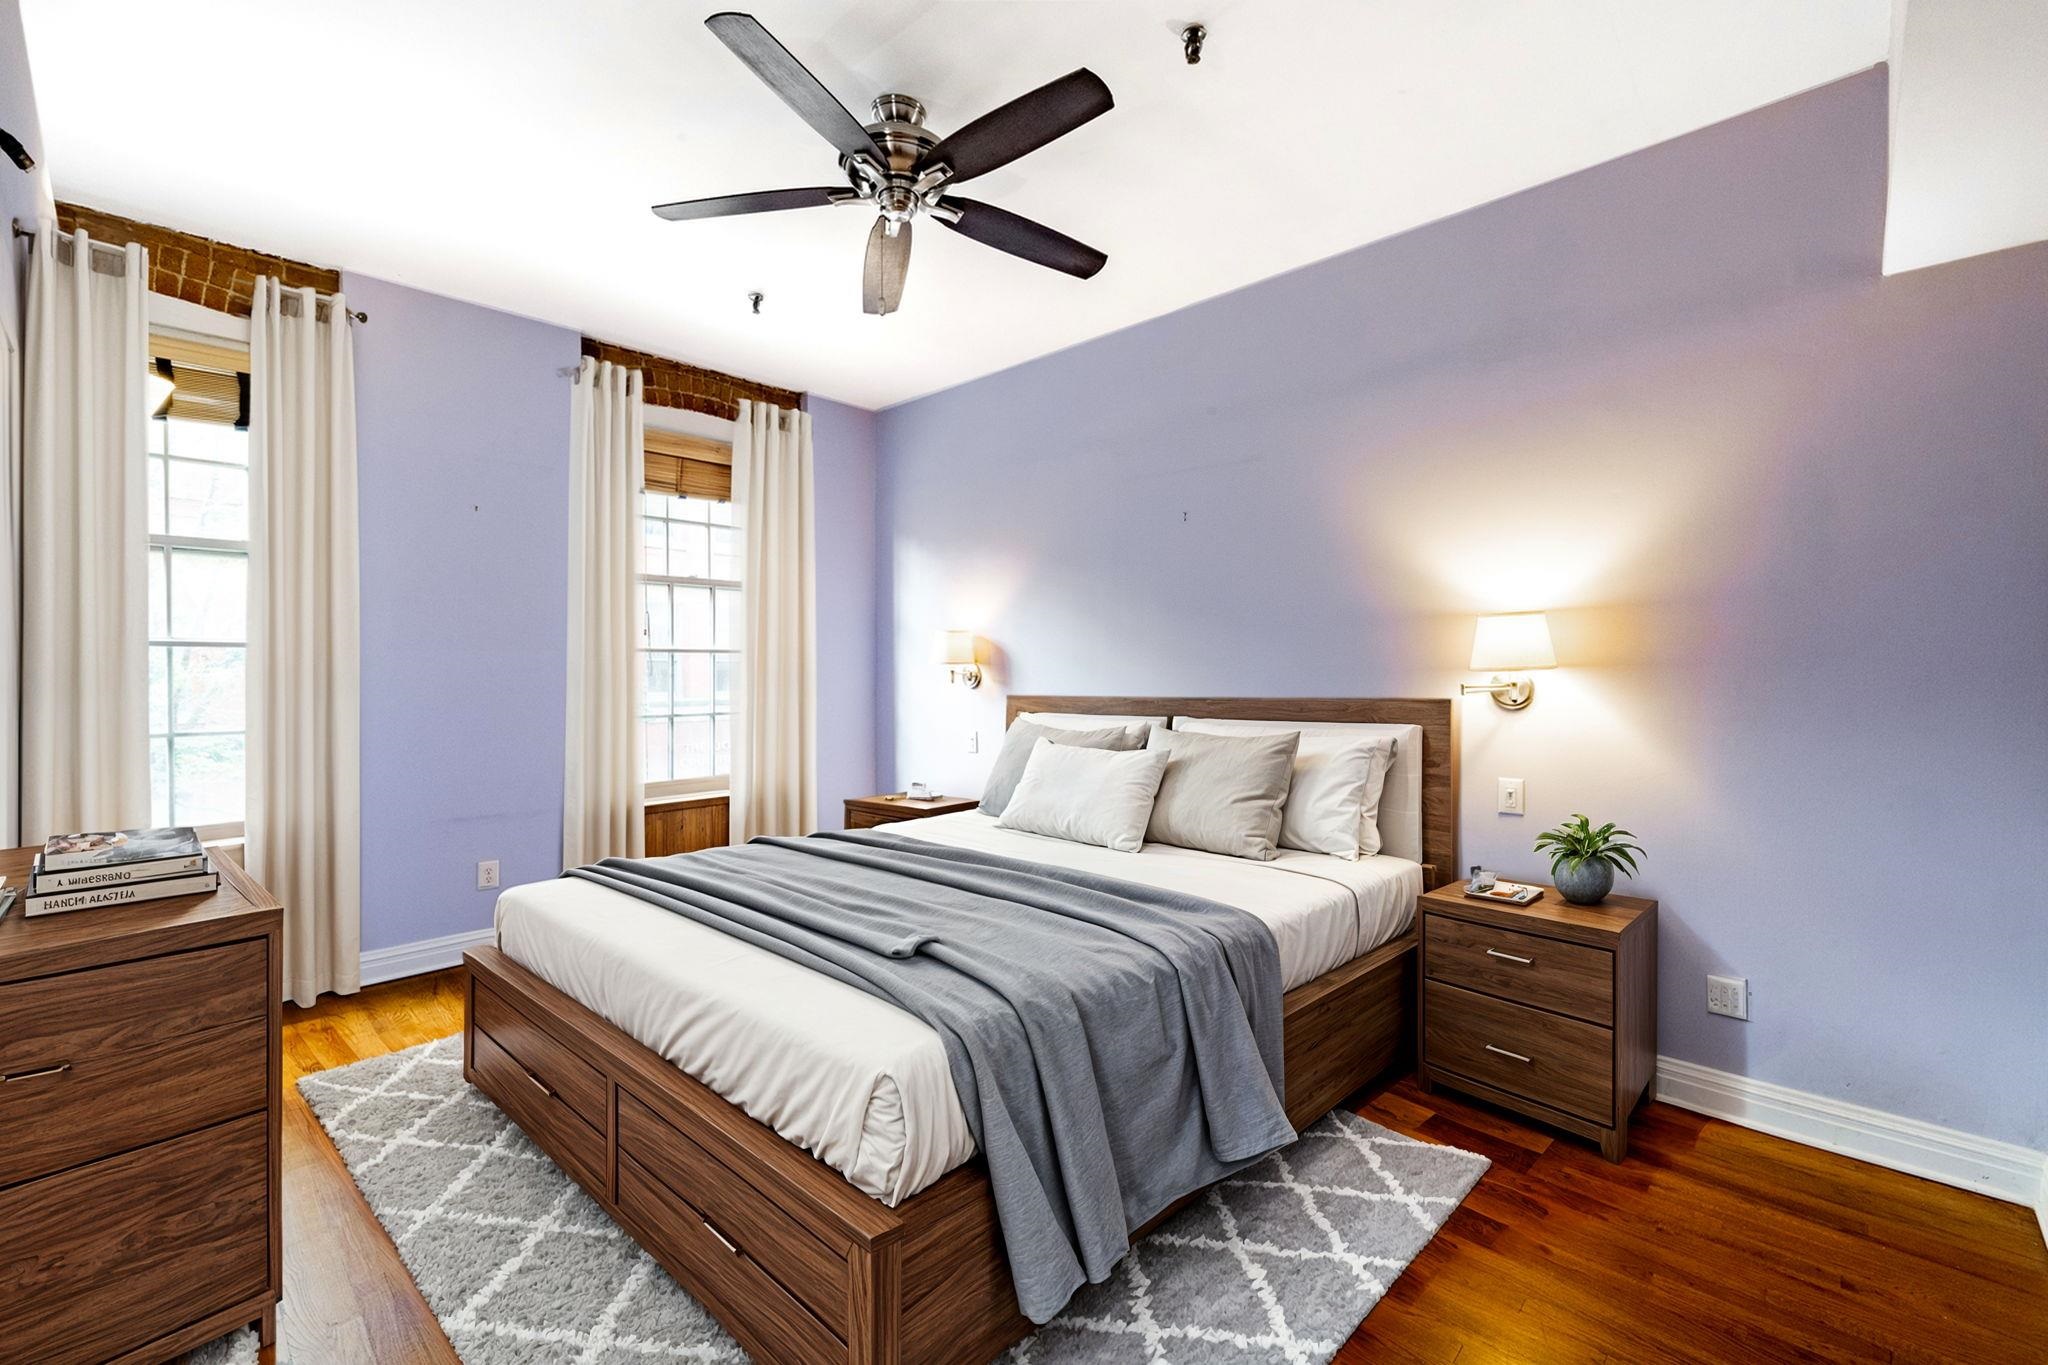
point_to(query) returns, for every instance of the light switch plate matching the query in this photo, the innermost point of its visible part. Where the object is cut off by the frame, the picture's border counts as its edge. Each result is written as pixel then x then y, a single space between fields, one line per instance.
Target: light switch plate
pixel 1512 798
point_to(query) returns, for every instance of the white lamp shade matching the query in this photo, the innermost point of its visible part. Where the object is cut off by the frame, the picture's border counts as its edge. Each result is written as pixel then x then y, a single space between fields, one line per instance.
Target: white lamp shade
pixel 1515 643
pixel 959 648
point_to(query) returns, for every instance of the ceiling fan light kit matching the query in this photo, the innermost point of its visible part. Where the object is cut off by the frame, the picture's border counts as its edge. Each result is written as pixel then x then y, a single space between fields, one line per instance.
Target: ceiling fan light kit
pixel 902 170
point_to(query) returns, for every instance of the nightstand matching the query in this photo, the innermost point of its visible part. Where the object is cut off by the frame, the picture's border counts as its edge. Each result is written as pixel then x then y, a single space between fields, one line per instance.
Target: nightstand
pixel 865 812
pixel 1547 1009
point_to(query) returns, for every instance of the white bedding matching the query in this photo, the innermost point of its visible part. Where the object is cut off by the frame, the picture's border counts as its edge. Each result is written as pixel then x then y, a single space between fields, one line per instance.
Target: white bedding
pixel 850 1078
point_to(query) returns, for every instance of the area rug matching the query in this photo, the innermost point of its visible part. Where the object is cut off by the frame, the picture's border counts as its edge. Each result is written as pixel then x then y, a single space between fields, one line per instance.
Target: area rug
pixel 1278 1264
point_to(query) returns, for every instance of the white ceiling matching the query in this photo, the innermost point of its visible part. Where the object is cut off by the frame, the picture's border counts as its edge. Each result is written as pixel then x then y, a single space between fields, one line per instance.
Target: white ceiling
pixel 506 151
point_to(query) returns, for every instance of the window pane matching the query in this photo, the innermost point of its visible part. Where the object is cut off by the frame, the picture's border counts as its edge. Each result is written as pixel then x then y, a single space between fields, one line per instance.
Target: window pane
pixel 686 509
pixel 688 553
pixel 725 552
pixel 209 595
pixel 653 545
pixel 722 667
pixel 657 675
pixel 656 624
pixel 156 496
pixel 721 755
pixel 207 441
pixel 207 775
pixel 207 689
pixel 159 690
pixel 157 428
pixel 721 513
pixel 159 782
pixel 159 615
pixel 654 751
pixel 209 500
pixel 693 683
pixel 693 747
pixel 726 601
pixel 693 618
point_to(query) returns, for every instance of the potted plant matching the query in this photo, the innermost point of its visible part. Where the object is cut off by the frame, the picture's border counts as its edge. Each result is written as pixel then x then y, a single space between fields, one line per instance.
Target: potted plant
pixel 1583 859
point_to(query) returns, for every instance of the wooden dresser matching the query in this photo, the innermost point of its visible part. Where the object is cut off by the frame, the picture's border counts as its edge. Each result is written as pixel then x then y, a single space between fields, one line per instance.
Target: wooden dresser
pixel 865 812
pixel 139 1122
pixel 1547 1009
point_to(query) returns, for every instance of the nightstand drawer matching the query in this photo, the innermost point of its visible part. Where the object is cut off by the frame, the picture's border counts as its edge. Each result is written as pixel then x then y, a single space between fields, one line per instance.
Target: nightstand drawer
pixel 1548 973
pixel 1564 1063
pixel 868 819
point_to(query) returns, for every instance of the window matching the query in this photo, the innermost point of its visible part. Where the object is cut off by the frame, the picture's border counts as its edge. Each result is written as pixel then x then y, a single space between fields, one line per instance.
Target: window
pixel 689 639
pixel 198 622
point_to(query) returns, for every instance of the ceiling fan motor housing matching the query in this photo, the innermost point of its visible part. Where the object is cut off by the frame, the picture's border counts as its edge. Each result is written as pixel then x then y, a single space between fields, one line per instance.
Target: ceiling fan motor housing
pixel 902 139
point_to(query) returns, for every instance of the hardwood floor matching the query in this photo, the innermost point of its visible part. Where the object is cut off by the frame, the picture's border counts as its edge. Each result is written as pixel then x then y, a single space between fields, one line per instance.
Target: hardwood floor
pixel 1711 1243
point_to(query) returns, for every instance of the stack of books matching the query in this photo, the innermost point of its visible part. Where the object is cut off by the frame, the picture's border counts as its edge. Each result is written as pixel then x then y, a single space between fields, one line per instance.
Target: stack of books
pixel 119 867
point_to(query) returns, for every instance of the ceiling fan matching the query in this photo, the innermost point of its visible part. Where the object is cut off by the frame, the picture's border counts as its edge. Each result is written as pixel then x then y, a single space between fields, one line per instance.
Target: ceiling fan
pixel 904 169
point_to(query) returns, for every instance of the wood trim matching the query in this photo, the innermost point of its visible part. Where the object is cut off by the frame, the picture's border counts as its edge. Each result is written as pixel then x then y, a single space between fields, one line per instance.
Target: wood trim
pixel 1437 716
pixel 688 824
pixel 927 1282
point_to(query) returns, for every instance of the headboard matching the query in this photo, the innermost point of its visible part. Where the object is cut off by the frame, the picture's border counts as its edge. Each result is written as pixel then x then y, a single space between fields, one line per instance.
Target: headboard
pixel 1436 715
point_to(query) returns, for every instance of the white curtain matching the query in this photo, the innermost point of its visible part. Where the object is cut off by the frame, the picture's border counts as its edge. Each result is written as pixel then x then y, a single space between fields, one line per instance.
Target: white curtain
pixel 774 743
pixel 10 588
pixel 85 613
pixel 305 678
pixel 603 801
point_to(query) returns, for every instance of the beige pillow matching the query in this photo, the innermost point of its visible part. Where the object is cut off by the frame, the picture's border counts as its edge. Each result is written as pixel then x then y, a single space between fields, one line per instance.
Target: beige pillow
pixel 1222 793
pixel 1087 796
pixel 1025 734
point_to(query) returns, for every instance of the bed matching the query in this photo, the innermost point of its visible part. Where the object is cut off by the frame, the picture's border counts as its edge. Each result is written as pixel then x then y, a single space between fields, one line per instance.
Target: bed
pixel 805 1169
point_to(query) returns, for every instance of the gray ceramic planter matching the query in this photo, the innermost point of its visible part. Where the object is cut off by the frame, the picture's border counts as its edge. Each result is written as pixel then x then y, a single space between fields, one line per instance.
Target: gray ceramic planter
pixel 1587 886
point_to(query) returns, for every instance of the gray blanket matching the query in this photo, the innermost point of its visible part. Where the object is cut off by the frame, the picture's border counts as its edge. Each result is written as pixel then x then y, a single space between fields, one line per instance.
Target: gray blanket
pixel 1114 1046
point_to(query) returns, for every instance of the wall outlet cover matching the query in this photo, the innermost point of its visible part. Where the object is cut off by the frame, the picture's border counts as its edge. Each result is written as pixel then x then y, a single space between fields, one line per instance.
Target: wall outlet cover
pixel 1728 995
pixel 487 874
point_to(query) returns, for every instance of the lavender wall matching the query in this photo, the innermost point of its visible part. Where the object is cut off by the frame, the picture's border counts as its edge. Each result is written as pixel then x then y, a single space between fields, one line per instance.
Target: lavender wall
pixel 463 447
pixel 1790 519
pixel 843 445
pixel 22 195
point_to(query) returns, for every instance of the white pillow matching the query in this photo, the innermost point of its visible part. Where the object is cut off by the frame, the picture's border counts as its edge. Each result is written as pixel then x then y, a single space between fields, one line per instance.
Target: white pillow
pixel 1340 772
pixel 1079 720
pixel 1087 796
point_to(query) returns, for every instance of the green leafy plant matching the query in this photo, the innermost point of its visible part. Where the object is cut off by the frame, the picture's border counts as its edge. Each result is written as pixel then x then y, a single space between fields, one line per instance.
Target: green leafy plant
pixel 1575 843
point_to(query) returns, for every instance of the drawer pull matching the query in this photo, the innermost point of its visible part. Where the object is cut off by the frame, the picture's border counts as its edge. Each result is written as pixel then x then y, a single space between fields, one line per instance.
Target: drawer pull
pixel 1510 957
pixel 539 1082
pixel 1505 1053
pixel 723 1240
pixel 40 1071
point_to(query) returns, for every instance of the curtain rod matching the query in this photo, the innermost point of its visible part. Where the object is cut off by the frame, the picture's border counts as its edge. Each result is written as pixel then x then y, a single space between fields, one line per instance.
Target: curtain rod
pixel 20 231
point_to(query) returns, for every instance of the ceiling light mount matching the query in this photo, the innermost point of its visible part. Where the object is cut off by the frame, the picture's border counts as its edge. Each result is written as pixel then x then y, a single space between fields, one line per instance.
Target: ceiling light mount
pixel 1191 39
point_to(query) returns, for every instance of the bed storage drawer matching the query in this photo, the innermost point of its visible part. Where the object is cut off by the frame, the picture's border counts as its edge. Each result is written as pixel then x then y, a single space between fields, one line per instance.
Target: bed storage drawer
pixel 539 1109
pixel 574 1081
pixel 1564 1063
pixel 1548 973
pixel 812 1272
pixel 135 1246
pixel 771 1323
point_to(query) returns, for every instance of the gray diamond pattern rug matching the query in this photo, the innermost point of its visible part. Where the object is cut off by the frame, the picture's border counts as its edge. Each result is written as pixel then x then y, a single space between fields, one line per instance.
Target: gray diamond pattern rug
pixel 1278 1264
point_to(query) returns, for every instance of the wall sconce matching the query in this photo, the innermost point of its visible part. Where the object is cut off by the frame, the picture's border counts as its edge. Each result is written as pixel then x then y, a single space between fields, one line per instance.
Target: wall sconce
pixel 961 665
pixel 1512 645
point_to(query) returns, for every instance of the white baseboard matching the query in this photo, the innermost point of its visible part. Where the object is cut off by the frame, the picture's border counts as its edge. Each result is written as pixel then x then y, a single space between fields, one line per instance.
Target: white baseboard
pixel 2003 1170
pixel 427 955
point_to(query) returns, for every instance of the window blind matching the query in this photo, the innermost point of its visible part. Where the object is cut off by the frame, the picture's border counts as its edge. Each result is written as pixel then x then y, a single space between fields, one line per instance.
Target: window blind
pixel 688 466
pixel 212 381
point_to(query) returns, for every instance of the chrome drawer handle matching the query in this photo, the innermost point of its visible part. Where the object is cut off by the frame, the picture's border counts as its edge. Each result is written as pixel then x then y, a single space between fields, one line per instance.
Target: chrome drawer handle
pixel 723 1240
pixel 31 1075
pixel 1509 957
pixel 1505 1053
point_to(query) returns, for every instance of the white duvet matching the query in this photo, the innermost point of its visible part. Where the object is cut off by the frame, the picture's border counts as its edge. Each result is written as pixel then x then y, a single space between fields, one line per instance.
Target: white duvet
pixel 850 1078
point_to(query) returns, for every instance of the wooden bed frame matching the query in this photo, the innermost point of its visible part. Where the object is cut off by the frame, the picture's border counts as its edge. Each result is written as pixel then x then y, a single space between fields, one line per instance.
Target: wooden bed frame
pixel 799 1265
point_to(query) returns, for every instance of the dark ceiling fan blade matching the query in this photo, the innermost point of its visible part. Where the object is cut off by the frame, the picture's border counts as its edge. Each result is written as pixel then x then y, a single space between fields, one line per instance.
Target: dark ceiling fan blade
pixel 793 81
pixel 1035 242
pixel 1023 125
pixel 881 286
pixel 761 201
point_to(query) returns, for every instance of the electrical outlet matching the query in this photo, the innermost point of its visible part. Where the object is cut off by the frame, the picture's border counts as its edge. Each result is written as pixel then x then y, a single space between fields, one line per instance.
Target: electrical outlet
pixel 1728 995
pixel 1512 801
pixel 974 741
pixel 487 874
